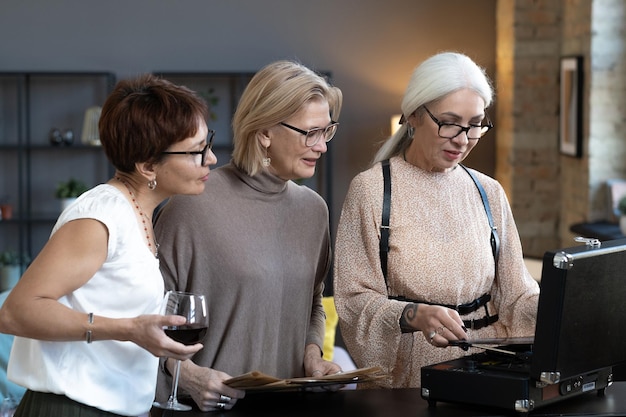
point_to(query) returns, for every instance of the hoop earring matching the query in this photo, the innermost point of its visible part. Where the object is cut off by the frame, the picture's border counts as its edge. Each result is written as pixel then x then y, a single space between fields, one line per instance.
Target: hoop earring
pixel 267 160
pixel 152 184
pixel 410 131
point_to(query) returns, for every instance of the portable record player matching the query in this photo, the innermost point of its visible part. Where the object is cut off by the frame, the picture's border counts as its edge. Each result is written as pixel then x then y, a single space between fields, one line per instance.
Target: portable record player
pixel 578 339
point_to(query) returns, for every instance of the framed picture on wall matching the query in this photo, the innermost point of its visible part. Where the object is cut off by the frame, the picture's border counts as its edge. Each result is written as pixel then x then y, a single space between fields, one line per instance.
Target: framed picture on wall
pixel 571 106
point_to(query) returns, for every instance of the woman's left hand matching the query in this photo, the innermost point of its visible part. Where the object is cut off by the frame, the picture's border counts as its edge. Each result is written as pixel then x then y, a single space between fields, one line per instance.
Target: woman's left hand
pixel 315 366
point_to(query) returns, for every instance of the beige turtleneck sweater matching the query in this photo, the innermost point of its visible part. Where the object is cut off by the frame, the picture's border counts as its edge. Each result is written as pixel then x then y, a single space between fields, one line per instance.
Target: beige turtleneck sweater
pixel 259 248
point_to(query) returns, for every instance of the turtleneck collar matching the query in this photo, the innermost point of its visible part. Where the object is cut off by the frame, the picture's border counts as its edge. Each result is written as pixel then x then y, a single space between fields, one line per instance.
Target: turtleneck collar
pixel 264 182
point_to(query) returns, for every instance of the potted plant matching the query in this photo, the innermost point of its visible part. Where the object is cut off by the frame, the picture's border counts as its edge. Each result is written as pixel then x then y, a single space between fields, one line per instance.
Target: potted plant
pixel 69 190
pixel 621 206
pixel 11 268
pixel 212 100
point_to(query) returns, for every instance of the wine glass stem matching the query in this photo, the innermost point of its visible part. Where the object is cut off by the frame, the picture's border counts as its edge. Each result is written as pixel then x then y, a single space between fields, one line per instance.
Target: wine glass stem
pixel 173 396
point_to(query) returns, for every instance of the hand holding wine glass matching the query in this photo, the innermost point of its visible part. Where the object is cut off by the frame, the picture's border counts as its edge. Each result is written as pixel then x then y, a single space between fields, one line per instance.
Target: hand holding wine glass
pixel 193 307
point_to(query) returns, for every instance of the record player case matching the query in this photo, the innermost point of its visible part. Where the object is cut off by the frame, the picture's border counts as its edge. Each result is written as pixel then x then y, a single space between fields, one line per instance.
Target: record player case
pixel 578 338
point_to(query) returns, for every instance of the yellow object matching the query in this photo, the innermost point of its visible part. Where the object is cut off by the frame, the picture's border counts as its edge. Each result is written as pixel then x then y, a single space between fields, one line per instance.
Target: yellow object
pixel 331 325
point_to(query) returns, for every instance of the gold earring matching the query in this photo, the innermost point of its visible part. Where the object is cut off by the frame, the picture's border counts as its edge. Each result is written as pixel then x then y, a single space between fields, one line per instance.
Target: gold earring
pixel 267 160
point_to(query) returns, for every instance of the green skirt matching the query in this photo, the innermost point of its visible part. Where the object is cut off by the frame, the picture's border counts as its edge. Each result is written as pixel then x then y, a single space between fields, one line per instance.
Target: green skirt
pixel 44 404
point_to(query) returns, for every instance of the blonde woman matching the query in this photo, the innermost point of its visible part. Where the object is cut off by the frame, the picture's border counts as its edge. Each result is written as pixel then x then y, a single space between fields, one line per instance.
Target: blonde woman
pixel 256 243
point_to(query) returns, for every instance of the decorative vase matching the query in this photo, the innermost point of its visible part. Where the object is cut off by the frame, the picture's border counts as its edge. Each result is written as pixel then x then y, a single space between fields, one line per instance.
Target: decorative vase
pixel 55 136
pixel 622 224
pixel 9 275
pixel 68 137
pixel 6 211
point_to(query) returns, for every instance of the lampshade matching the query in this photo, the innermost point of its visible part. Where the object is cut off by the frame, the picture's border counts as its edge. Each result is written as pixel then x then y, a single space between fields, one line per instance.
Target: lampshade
pixel 91 135
pixel 395 123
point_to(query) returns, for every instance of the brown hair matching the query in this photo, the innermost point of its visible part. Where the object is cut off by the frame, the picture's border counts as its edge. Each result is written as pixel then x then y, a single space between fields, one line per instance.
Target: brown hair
pixel 144 116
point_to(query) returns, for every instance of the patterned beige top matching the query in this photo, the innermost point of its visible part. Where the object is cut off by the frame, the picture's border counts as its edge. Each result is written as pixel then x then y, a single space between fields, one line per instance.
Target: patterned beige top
pixel 439 252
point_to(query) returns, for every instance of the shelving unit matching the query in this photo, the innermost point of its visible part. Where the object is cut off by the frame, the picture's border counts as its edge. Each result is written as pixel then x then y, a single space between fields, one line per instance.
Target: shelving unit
pixel 31 105
pixel 222 90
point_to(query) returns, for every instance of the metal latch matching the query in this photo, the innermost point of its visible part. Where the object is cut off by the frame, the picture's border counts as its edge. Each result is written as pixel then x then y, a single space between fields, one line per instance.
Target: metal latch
pixel 588 241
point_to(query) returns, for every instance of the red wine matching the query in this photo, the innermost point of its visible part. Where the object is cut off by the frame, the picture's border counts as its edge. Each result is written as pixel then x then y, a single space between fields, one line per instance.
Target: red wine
pixel 188 335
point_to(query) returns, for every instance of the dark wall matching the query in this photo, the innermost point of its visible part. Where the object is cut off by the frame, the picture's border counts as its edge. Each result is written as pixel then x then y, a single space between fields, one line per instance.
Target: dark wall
pixel 370 46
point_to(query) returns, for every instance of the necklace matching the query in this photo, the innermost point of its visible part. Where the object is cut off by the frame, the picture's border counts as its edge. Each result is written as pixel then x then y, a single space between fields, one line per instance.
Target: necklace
pixel 143 217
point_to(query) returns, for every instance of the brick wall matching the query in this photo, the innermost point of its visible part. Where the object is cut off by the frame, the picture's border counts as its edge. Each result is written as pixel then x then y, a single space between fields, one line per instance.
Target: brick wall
pixel 550 191
pixel 527 160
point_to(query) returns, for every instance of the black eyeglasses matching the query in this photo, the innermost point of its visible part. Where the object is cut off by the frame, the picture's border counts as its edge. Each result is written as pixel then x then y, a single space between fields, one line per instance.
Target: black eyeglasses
pixel 452 130
pixel 203 152
pixel 312 136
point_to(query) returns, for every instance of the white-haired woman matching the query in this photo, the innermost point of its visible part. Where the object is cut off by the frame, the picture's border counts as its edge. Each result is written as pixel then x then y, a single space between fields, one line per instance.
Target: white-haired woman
pixel 438 262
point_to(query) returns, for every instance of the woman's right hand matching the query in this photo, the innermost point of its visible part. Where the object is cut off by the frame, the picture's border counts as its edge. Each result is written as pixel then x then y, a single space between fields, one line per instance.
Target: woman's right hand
pixel 438 324
pixel 442 324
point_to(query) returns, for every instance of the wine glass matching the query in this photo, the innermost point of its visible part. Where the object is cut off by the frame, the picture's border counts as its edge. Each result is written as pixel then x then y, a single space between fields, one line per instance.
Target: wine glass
pixel 194 308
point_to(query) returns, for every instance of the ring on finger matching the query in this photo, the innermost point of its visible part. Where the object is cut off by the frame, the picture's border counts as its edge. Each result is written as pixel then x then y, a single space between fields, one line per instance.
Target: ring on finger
pixel 431 335
pixel 224 398
pixel 440 329
pixel 221 406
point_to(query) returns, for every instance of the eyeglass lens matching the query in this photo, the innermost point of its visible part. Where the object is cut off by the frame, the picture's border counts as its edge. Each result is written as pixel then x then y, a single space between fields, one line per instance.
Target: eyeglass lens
pixel 314 135
pixel 208 147
pixel 452 130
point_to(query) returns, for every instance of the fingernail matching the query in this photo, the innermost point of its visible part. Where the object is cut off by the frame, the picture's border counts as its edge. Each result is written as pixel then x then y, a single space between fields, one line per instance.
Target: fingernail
pixel 465 329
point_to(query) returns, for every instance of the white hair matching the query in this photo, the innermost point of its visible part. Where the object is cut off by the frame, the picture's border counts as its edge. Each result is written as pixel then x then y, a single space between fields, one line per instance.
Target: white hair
pixel 432 80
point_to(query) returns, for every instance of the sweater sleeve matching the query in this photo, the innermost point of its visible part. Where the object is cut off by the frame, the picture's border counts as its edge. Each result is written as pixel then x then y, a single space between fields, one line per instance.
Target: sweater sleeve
pixel 515 292
pixel 317 324
pixel 369 321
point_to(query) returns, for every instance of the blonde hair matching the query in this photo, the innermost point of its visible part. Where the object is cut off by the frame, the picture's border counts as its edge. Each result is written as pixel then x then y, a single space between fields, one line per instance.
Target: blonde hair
pixel 432 80
pixel 274 94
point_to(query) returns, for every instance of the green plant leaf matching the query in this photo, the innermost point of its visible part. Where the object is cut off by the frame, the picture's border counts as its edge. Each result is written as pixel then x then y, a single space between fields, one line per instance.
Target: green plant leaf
pixel 70 189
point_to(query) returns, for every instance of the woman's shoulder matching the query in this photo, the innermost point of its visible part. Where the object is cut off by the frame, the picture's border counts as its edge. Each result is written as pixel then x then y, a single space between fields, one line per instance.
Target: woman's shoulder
pixel 488 182
pixel 371 176
pixel 493 189
pixel 103 203
pixel 304 193
pixel 366 187
pixel 103 199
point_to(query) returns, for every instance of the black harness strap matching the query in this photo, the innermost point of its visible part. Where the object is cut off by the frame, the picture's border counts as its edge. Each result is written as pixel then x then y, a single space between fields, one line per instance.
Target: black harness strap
pixel 495 248
pixel 495 239
pixel 384 227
